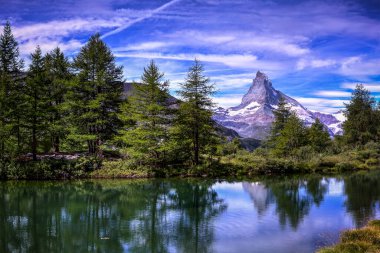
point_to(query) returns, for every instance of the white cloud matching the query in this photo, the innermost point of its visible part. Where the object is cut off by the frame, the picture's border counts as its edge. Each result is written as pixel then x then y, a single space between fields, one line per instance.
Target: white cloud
pixel 322 104
pixel 233 81
pixel 233 60
pixel 47 45
pixel 314 63
pixel 141 18
pixel 62 28
pixel 227 101
pixel 247 41
pixel 243 61
pixel 332 93
pixel 373 87
pixel 357 66
pixel 144 46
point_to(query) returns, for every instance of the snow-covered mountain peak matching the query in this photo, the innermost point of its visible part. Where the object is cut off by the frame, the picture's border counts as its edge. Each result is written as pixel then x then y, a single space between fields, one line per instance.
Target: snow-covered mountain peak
pixel 254 116
pixel 261 91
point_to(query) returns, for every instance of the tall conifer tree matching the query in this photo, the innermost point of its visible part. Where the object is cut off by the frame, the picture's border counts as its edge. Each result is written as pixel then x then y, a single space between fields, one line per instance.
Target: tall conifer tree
pixel 36 109
pixel 58 74
pixel 147 117
pixel 281 116
pixel 361 124
pixel 291 137
pixel 318 137
pixel 194 126
pixel 95 96
pixel 10 90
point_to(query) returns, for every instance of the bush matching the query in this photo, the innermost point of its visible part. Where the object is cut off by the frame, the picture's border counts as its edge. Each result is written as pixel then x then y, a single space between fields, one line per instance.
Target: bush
pixel 366 239
pixel 50 168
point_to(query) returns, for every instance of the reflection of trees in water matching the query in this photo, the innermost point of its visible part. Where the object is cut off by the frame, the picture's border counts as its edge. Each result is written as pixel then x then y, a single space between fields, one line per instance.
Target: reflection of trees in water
pixel 197 204
pixel 363 194
pixel 292 196
pixel 147 216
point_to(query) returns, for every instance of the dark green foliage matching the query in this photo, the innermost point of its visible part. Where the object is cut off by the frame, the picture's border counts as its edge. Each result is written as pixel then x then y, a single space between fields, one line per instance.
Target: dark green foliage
pixel 49 169
pixel 194 130
pixel 281 116
pixel 231 147
pixel 57 105
pixel 291 137
pixel 58 78
pixel 318 137
pixel 95 96
pixel 10 93
pixel 147 118
pixel 36 105
pixel 362 121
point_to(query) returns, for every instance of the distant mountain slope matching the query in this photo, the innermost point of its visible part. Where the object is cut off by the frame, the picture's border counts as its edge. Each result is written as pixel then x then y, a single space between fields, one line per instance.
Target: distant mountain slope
pixel 332 121
pixel 254 116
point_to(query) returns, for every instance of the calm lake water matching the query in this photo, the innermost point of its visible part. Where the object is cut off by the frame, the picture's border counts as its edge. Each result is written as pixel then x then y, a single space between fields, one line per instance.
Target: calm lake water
pixel 269 214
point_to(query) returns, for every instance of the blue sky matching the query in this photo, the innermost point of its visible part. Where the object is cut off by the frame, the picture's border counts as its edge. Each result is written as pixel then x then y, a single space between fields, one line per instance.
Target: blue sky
pixel 314 51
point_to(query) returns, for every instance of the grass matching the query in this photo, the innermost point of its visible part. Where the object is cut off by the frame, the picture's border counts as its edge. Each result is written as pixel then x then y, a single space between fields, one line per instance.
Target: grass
pixel 241 163
pixel 119 169
pixel 366 239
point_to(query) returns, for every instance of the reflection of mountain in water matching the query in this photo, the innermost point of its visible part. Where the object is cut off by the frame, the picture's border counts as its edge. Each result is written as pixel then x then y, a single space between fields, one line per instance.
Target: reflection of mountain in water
pixel 293 197
pixel 259 194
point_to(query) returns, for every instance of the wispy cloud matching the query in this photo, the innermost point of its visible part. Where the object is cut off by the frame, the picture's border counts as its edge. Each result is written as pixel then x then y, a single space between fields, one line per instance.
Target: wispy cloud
pixel 238 40
pixel 374 87
pixel 315 63
pixel 139 19
pixel 322 104
pixel 145 46
pixel 332 93
pixel 227 101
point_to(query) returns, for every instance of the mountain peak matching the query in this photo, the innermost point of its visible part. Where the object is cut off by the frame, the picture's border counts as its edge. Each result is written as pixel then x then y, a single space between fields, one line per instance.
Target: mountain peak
pixel 260 74
pixel 261 91
pixel 254 116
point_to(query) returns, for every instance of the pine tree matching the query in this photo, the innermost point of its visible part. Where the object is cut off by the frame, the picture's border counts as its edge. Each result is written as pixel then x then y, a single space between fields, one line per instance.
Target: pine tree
pixel 281 116
pixel 318 137
pixel 291 137
pixel 194 127
pixel 36 107
pixel 10 90
pixel 361 124
pixel 95 96
pixel 147 118
pixel 58 73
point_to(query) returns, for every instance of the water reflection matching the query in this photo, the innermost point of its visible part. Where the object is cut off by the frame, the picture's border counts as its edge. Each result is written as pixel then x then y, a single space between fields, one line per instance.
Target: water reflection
pixel 293 196
pixel 302 213
pixel 117 216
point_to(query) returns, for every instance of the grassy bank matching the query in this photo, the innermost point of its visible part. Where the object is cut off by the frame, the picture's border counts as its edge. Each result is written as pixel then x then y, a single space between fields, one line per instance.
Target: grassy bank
pixel 238 164
pixel 366 239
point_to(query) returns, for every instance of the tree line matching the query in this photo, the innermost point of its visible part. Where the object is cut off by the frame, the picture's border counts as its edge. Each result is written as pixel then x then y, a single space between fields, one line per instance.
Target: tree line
pixel 58 105
pixel 76 106
pixel 289 135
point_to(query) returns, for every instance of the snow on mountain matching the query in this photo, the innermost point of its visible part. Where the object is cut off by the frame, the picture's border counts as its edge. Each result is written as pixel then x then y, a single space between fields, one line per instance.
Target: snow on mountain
pixel 254 116
pixel 332 121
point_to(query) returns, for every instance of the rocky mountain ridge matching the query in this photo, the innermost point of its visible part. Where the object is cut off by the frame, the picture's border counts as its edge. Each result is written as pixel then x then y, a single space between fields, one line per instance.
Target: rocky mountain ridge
pixel 254 116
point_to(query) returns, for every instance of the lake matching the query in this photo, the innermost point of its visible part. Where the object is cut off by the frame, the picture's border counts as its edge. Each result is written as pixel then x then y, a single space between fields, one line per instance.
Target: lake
pixel 266 214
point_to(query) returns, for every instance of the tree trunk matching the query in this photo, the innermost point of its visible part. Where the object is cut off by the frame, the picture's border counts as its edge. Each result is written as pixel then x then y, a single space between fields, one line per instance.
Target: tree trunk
pixel 196 146
pixel 56 144
pixel 34 143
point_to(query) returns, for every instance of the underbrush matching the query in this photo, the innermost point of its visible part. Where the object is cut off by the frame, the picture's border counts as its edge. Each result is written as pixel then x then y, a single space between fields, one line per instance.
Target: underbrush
pixel 49 169
pixel 303 160
pixel 366 239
